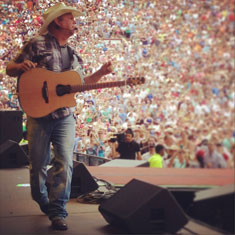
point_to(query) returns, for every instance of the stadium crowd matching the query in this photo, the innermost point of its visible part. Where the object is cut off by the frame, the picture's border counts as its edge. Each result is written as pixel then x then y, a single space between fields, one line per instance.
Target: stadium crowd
pixel 185 52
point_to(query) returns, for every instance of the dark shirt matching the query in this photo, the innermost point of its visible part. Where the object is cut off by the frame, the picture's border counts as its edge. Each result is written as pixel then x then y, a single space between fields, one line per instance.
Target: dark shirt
pixel 128 150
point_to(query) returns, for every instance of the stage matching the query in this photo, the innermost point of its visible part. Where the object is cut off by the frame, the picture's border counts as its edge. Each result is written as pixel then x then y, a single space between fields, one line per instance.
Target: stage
pixel 166 177
pixel 20 214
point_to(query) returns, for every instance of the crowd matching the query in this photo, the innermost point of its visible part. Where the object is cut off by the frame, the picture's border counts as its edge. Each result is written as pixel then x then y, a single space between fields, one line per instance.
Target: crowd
pixel 185 52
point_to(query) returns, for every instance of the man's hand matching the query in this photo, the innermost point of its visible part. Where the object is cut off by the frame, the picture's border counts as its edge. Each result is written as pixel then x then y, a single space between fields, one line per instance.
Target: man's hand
pixel 27 65
pixel 106 68
pixel 14 69
pixel 95 77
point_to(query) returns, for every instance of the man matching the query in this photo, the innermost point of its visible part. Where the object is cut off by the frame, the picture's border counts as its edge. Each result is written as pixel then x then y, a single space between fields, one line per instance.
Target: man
pixel 128 148
pixel 150 148
pixel 50 50
pixel 156 160
pixel 213 158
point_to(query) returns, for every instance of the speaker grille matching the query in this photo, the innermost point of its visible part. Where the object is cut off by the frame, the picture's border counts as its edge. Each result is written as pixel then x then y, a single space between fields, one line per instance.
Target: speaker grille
pixel 11 125
pixel 157 220
pixel 12 155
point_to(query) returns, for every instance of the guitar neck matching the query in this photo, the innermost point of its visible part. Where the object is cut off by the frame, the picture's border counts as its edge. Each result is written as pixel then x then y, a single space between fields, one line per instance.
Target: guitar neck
pixel 93 86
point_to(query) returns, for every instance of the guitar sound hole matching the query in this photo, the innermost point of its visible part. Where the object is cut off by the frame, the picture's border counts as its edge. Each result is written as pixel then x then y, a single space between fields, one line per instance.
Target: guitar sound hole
pixel 63 89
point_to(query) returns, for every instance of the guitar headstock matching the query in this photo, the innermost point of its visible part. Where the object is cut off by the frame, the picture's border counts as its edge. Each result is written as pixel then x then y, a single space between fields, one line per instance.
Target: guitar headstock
pixel 135 81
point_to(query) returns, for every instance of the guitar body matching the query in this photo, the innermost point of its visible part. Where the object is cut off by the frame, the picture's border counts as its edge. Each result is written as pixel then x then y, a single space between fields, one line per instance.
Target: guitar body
pixel 42 91
pixel 31 85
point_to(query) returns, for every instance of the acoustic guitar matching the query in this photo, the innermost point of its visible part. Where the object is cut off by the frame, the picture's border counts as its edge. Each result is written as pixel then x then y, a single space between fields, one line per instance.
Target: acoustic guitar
pixel 42 91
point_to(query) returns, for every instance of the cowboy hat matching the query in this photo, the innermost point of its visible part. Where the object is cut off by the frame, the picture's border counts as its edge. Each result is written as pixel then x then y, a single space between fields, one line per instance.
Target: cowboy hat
pixel 54 12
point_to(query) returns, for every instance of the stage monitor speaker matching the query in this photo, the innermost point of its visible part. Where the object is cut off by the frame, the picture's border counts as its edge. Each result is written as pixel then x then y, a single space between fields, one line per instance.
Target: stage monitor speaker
pixel 25 147
pixel 144 208
pixel 11 125
pixel 215 207
pixel 82 181
pixel 12 155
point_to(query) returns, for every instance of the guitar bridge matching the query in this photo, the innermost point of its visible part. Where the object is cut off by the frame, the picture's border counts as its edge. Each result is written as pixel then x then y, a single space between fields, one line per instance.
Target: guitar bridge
pixel 45 92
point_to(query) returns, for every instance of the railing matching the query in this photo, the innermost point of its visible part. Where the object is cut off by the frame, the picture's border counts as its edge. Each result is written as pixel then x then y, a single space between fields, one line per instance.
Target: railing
pixel 89 160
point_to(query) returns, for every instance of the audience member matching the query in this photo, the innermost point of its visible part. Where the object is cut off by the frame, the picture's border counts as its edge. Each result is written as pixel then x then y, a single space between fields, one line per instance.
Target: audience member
pixel 187 88
pixel 156 160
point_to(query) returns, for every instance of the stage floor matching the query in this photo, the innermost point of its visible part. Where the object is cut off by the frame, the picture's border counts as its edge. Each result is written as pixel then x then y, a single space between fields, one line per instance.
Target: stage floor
pixel 19 214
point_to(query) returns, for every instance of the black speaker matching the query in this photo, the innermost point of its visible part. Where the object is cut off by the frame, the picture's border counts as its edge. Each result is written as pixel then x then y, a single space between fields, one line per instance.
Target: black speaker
pixel 11 125
pixel 82 181
pixel 12 155
pixel 215 207
pixel 141 207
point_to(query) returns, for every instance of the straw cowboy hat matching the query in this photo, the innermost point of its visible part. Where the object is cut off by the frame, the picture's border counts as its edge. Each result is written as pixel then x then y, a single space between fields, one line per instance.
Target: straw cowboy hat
pixel 54 12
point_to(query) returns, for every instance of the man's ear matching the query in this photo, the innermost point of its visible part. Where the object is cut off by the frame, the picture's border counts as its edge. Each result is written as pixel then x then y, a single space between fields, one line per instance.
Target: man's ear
pixel 57 21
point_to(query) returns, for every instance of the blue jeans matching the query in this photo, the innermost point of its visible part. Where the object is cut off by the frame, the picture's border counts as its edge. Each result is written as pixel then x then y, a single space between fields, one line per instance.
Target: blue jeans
pixel 60 133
